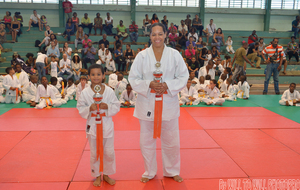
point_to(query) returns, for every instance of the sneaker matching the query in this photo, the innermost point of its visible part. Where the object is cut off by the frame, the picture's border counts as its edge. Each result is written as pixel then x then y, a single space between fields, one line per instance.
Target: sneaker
pixel 277 93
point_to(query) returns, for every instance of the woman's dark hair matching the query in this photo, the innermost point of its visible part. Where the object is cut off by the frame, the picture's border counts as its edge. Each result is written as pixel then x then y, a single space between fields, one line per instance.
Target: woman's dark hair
pixel 13 57
pixel 8 69
pixel 146 15
pixel 43 16
pixel 227 57
pixel 118 45
pixel 17 13
pixel 74 13
pixel 215 82
pixel 78 59
pixel 9 13
pixel 221 30
pixel 95 66
pixel 97 14
pixel 204 51
pixel 213 47
pixel 260 39
pixel 128 45
pixel 153 17
pixel 68 20
pixel 158 24
pixel 29 55
pixel 52 35
pixel 65 44
pixel 116 36
pixel 193 29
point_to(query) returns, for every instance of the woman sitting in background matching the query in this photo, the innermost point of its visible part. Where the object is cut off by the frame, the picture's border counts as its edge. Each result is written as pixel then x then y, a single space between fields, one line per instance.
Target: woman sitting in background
pixel 69 29
pixel 66 50
pixel 43 22
pixel 15 29
pixel 46 40
pixel 76 66
pixel 7 20
pixel 29 66
pixel 75 20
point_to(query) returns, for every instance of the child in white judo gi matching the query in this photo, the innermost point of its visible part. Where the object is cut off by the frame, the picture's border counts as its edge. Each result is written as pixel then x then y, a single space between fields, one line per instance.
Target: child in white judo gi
pixel 194 79
pixel 121 86
pixel 128 97
pixel 221 82
pixel 12 86
pixel 22 76
pixel 29 91
pixel 213 94
pixel 87 108
pixel 189 95
pixel 70 91
pixel 243 88
pixel 1 89
pixel 290 97
pixel 82 85
pixel 109 62
pixel 229 92
pixel 229 43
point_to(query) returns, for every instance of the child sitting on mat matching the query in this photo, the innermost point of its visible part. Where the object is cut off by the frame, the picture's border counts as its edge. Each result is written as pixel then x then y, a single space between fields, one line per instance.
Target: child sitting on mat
pixel 82 85
pixel 12 86
pixel 213 94
pixel 121 85
pixel 109 107
pixel 189 95
pixel 128 97
pixel 290 97
pixel 30 90
pixel 243 88
pixel 229 92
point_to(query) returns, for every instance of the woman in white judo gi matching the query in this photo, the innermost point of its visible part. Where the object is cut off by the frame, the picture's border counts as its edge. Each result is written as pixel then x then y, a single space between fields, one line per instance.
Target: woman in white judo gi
pixel 174 79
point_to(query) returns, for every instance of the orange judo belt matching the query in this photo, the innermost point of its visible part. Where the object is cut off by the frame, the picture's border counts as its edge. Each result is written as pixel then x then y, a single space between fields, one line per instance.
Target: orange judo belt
pixel 47 98
pixel 100 140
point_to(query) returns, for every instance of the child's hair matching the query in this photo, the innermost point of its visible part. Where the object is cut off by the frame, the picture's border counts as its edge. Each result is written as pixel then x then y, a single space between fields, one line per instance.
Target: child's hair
pixel 227 57
pixel 95 66
pixel 243 76
pixel 139 49
pixel 19 64
pixel 229 37
pixel 229 80
pixel 71 79
pixel 207 77
pixel 223 77
pixel 204 43
pixel 215 82
pixel 65 82
pixel 83 77
pixel 293 84
pixel 53 56
pixel 8 69
pixel 228 69
pixel 53 79
pixel 128 85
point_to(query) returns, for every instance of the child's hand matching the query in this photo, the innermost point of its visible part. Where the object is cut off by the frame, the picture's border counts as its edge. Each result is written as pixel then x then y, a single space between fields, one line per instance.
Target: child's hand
pixel 33 104
pixel 93 107
pixel 103 106
pixel 12 88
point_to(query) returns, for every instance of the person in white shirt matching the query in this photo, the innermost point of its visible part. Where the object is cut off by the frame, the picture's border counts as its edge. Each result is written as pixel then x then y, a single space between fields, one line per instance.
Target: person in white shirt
pixel 70 91
pixel 121 86
pixel 12 86
pixel 229 91
pixel 290 97
pixel 101 55
pixel 82 85
pixel 110 63
pixel 182 26
pixel 128 97
pixel 243 88
pixel 34 21
pixel 210 29
pixel 213 93
pixel 207 70
pixel 53 67
pixel 1 89
pixel 229 47
pixel 189 95
pixel 22 76
pixel 29 91
pixel 194 79
pixel 108 24
pixel 65 67
pixel 218 67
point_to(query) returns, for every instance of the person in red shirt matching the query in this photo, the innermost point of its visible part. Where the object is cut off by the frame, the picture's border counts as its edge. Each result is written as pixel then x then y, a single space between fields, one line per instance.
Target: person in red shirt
pixel 252 38
pixel 67 5
pixel 133 29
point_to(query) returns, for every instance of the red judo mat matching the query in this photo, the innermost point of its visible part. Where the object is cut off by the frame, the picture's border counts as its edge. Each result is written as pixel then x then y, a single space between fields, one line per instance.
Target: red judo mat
pixel 48 149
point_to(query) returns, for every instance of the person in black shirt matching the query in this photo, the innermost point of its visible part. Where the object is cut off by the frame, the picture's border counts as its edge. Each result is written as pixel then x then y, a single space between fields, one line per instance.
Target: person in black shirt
pixel 253 54
pixel 193 66
pixel 183 37
pixel 104 41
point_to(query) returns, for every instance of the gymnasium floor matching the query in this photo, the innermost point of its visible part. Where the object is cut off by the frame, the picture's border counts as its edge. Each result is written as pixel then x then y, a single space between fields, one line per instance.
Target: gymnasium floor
pixel 243 140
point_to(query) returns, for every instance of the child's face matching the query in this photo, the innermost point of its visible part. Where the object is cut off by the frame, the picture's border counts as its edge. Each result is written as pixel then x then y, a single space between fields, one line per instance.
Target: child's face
pixel 201 80
pixel 83 81
pixel 107 51
pixel 18 68
pixel 229 38
pixel 52 59
pixel 54 83
pixel 129 89
pixel 70 83
pixel 12 72
pixel 34 79
pixel 47 28
pixel 96 76
pixel 188 84
pixel 242 78
pixel 227 82
pixel 209 52
pixel 292 88
pixel 192 75
pixel 212 84
pixel 44 81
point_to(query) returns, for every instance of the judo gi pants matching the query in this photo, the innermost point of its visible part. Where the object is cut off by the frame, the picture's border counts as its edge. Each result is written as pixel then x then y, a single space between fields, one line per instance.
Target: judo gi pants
pixel 109 162
pixel 184 100
pixel 43 104
pixel 214 101
pixel 282 102
pixel 11 99
pixel 170 148
pixel 27 97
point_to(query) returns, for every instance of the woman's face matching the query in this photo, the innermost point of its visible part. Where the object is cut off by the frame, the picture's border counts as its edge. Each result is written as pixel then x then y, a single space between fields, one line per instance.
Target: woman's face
pixel 7 13
pixel 80 29
pixel 219 31
pixel 229 59
pixel 76 58
pixel 117 38
pixel 16 56
pixel 200 39
pixel 52 37
pixel 155 16
pixel 66 44
pixel 75 14
pixel 157 36
pixel 127 47
pixel 212 84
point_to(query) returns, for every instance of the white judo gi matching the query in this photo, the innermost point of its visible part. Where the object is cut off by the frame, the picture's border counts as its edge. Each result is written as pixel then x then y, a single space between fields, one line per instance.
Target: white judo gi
pixel 243 89
pixel 46 96
pixel 186 93
pixel 203 72
pixel 229 91
pixel 83 105
pixel 113 80
pixel 229 47
pixel 29 92
pixel 110 64
pixel 131 98
pixel 175 75
pixel 288 96
pixel 213 96
pixel 195 80
pixel 120 87
pixel 8 82
pixel 2 99
pixel 24 79
pixel 79 88
pixel 70 92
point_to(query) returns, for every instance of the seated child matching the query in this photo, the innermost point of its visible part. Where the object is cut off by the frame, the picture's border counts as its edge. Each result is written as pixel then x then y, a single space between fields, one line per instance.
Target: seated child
pixel 200 88
pixel 82 85
pixel 128 97
pixel 189 95
pixel 243 88
pixel 218 67
pixel 1 89
pixel 207 80
pixel 229 92
pixel 229 47
pixel 194 79
pixel 22 76
pixel 213 94
pixel 110 63
pixel 71 90
pixel 227 72
pixel 12 86
pixel 110 106
pixel 45 96
pixel 221 82
pixel 29 91
pixel 208 57
pixel 53 85
pixel 121 86
pixel 290 97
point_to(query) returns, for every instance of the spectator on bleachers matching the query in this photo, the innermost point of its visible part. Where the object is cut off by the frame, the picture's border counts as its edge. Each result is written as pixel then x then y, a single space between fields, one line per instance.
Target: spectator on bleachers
pixel 227 62
pixel 146 25
pixel 30 64
pixel 19 17
pixel 76 66
pixel 173 38
pixel 101 53
pixel 2 36
pixel 98 23
pixel 46 40
pixel 34 21
pixel 182 26
pixel 252 54
pixel 210 30
pixel 41 61
pixel 164 21
pixel 66 50
pixel 15 29
pixel 295 27
pixel 178 47
pixel 215 53
pixel 7 19
pixel 16 58
pixel 43 22
pixel 70 30
pixel 261 46
pixel 79 37
pixel 197 23
pixel 54 39
pixel 86 23
pixel 119 57
pixel 252 38
pixel 110 63
pixel 190 52
pixel 202 57
pixel 229 46
pixel 145 46
pixel 117 41
pixel 154 19
pixel 134 32
pixel 122 31
pixel 75 20
pixel 89 53
pixel 191 41
pixel 108 24
pixel 199 43
pixel 218 38
pixel 293 49
pixel 65 67
pixel 194 66
pixel 104 41
pixel 67 6
pixel 86 40
pixel 183 37
pixel 172 27
pixel 53 51
pixel 193 34
pixel 188 22
pixel 129 56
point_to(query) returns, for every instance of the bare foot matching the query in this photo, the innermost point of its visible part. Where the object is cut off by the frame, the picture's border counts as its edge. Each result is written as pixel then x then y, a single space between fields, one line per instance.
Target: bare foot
pixel 28 102
pixel 219 104
pixel 284 72
pixel 209 103
pixel 109 180
pixel 178 179
pixel 28 30
pixel 97 182
pixel 144 180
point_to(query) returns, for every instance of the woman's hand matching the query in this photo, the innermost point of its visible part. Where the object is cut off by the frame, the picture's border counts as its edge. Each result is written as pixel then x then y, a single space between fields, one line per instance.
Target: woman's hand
pixel 93 107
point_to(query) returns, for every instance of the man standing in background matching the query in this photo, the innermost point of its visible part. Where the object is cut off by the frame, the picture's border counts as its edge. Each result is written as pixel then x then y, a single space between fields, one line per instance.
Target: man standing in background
pixel 67 5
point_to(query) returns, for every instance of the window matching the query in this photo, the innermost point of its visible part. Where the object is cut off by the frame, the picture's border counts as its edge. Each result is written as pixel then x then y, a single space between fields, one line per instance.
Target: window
pixel 141 2
pixel 211 3
pixel 223 3
pixel 98 2
pixel 167 2
pixel 192 3
pixel 52 1
pixel 84 2
pixel 123 2
pixel 154 2
pixel 247 4
pixel 180 3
